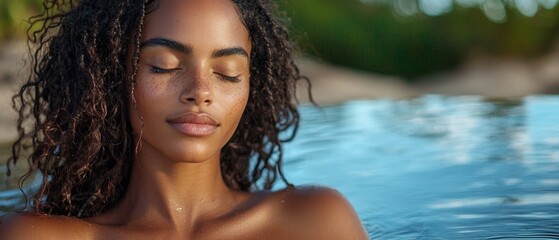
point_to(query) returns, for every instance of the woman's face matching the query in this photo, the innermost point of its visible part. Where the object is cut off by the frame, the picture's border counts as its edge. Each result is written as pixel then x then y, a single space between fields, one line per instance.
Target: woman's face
pixel 192 83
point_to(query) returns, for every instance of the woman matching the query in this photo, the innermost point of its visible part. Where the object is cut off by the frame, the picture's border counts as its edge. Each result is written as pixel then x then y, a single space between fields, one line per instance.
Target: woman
pixel 147 115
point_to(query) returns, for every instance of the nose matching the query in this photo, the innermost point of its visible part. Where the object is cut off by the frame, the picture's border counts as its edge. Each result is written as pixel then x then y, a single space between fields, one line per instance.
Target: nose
pixel 197 90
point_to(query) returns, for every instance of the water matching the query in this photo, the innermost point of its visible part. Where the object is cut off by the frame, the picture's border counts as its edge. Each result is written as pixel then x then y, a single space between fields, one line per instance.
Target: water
pixel 433 167
pixel 437 167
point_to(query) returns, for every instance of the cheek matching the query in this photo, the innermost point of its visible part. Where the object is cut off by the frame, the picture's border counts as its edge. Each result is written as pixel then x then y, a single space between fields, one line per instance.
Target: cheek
pixel 236 111
pixel 242 99
pixel 146 88
pixel 148 96
pixel 150 93
pixel 238 100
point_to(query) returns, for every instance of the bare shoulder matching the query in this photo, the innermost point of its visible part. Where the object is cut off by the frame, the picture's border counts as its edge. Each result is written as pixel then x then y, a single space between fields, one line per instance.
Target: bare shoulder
pixel 33 226
pixel 321 212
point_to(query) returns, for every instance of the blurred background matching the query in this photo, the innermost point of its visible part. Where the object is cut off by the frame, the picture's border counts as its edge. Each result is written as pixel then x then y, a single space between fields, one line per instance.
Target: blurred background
pixel 417 38
pixel 423 165
pixel 496 48
pixel 356 49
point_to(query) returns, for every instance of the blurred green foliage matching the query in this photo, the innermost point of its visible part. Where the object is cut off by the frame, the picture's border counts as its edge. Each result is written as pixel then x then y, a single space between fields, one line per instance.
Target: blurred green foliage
pixel 14 15
pixel 376 38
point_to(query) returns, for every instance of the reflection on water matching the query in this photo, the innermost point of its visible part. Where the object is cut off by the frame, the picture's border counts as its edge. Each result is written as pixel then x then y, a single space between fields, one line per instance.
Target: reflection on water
pixel 433 167
pixel 438 167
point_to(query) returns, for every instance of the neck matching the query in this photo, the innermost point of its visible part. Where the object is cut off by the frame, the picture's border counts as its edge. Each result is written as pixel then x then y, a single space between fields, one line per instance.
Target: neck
pixel 176 193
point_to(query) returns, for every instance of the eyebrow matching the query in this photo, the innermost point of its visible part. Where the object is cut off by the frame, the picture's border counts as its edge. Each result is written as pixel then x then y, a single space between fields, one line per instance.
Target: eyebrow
pixel 229 52
pixel 187 49
pixel 167 43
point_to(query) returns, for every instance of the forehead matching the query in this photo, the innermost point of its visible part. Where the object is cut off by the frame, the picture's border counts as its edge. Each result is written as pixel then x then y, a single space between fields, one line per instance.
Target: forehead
pixel 196 21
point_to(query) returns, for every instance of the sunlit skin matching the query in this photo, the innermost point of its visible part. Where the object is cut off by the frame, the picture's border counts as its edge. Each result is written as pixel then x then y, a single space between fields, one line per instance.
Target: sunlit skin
pixel 192 87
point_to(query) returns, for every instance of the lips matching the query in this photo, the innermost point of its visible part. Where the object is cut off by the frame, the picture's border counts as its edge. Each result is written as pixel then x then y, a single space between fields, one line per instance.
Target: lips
pixel 194 124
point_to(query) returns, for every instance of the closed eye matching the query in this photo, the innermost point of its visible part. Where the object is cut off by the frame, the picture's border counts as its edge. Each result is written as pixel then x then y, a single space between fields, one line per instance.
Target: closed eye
pixel 158 70
pixel 229 78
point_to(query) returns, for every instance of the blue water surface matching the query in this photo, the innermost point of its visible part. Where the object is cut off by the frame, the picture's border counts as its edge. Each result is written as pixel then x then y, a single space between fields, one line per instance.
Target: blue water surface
pixel 434 167
pixel 437 167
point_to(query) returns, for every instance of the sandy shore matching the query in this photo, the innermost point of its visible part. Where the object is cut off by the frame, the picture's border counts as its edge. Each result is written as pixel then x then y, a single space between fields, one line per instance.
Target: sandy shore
pixel 11 65
pixel 495 78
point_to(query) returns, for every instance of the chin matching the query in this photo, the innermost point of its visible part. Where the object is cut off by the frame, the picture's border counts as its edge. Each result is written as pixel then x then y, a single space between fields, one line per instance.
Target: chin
pixel 195 153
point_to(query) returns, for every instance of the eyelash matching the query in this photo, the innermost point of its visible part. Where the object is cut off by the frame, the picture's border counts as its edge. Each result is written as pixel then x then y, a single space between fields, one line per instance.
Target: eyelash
pixel 158 70
pixel 234 79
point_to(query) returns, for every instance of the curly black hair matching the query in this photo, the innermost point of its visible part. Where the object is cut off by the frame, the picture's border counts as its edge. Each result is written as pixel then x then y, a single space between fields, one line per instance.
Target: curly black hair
pixel 73 109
